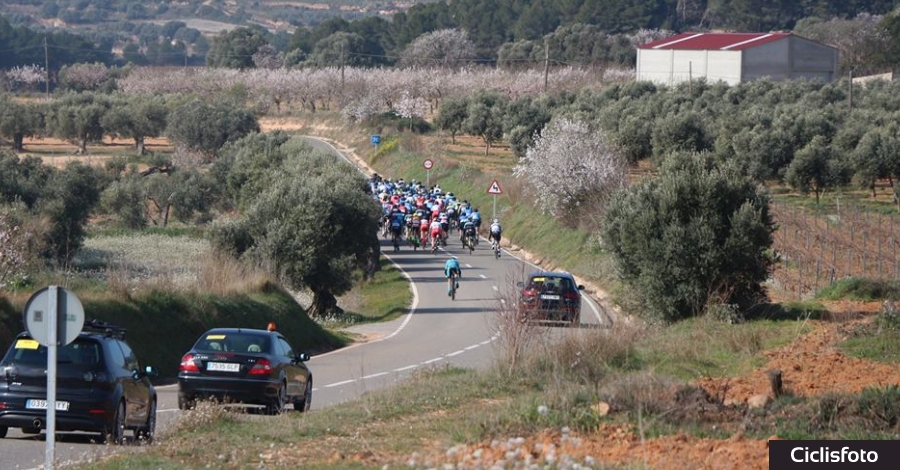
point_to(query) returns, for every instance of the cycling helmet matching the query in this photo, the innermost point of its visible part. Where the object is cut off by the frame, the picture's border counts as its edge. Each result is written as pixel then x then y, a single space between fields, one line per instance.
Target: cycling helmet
pixel 496 221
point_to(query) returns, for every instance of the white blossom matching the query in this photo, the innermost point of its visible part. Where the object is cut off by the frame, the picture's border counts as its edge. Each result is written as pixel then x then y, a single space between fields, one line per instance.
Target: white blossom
pixel 569 164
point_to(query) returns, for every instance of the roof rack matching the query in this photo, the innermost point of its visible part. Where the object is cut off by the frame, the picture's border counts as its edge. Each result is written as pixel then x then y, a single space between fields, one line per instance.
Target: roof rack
pixel 99 326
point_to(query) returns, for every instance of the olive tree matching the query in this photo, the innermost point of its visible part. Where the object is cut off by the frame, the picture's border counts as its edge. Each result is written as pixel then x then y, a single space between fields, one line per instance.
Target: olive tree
pixel 78 118
pixel 484 117
pixel 19 120
pixel 313 225
pixel 136 118
pixel 68 199
pixel 697 233
pixel 877 156
pixel 816 168
pixel 451 116
pixel 203 126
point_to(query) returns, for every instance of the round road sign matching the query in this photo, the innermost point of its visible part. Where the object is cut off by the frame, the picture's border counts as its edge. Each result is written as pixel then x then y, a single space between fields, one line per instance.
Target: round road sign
pixel 428 164
pixel 69 314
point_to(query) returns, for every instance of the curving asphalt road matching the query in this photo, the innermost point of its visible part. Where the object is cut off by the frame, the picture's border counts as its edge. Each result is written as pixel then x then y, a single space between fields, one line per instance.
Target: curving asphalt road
pixel 435 332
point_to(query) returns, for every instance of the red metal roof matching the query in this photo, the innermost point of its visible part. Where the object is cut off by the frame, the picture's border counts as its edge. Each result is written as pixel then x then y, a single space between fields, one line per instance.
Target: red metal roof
pixel 714 41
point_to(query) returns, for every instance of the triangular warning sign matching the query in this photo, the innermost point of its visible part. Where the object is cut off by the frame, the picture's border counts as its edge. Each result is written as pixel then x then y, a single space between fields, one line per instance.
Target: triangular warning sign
pixel 495 188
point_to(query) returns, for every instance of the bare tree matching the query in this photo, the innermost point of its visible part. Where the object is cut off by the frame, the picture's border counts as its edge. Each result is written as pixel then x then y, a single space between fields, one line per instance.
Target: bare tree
pixel 441 48
pixel 571 164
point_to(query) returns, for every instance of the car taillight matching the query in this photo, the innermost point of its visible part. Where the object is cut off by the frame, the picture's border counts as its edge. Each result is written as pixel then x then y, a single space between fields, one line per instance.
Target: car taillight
pixel 262 367
pixel 187 364
pixel 572 296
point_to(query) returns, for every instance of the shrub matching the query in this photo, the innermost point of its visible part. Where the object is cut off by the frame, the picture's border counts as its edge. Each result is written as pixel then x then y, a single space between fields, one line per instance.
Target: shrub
pixel 698 232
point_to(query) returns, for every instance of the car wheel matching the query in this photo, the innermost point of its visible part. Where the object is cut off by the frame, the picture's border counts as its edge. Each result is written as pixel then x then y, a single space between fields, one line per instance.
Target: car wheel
pixel 3 430
pixel 116 435
pixel 306 402
pixel 144 435
pixel 184 403
pixel 31 430
pixel 276 406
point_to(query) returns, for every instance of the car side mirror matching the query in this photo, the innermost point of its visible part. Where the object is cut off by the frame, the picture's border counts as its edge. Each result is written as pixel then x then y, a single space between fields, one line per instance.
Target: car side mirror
pixel 580 287
pixel 302 357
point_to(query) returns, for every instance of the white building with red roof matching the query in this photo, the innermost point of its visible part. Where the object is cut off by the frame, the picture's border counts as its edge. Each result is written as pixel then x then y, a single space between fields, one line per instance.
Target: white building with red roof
pixel 735 58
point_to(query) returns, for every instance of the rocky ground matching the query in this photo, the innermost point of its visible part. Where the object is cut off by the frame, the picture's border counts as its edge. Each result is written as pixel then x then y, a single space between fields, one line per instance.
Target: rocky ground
pixel 812 365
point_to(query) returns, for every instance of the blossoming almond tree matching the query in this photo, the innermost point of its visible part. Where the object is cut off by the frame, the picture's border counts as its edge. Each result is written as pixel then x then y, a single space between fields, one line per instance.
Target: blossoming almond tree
pixel 571 166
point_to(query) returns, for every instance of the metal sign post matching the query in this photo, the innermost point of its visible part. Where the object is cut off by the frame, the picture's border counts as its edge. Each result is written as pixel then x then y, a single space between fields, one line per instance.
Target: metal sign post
pixel 428 164
pixel 494 189
pixel 50 437
pixel 53 317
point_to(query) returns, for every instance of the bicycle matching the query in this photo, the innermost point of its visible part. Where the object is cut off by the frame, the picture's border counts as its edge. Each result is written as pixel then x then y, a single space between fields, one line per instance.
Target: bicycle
pixel 395 239
pixel 453 285
pixel 496 247
pixel 413 239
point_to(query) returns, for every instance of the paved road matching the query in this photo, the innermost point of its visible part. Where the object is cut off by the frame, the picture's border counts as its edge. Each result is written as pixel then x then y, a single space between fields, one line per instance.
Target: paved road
pixel 435 332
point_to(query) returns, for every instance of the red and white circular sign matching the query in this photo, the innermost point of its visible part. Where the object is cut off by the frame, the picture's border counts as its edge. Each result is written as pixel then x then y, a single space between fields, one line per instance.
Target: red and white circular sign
pixel 428 164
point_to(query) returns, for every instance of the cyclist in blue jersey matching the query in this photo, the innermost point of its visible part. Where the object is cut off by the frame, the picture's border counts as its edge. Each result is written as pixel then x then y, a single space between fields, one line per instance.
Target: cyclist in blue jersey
pixel 451 267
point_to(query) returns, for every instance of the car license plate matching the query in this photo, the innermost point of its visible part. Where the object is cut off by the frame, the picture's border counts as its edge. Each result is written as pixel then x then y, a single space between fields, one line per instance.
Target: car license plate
pixel 42 405
pixel 549 297
pixel 223 366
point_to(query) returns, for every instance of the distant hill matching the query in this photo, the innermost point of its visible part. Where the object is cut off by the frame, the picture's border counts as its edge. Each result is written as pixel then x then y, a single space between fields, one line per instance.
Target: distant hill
pixel 275 15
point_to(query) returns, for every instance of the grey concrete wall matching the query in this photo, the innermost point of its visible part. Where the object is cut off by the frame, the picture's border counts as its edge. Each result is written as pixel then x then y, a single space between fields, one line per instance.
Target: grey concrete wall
pixel 812 60
pixel 767 60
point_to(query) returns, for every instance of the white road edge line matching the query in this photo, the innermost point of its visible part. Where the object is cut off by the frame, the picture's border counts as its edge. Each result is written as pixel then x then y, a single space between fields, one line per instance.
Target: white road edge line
pixel 430 361
pixel 406 368
pixel 372 376
pixel 338 384
pixel 455 353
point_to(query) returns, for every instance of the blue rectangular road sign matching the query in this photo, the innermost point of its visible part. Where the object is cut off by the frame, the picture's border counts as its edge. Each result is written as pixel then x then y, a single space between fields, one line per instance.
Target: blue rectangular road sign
pixel 376 139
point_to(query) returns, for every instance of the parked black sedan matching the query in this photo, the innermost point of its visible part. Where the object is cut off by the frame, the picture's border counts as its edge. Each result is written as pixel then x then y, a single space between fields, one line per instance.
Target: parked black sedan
pixel 239 365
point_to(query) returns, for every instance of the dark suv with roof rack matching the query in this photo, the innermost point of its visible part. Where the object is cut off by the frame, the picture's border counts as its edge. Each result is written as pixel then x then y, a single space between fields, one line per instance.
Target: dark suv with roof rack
pixel 100 386
pixel 551 296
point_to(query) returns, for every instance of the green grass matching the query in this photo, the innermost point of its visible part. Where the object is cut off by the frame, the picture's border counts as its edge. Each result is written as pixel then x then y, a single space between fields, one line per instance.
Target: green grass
pixel 861 289
pixel 701 347
pixel 383 298
pixel 881 347
pixel 387 295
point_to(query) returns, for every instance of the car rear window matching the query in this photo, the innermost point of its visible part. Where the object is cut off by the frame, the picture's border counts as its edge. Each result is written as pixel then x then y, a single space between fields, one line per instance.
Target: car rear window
pixel 82 351
pixel 233 342
pixel 551 284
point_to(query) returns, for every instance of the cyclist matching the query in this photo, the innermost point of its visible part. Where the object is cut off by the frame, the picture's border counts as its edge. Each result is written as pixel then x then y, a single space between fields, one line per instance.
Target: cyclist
pixel 436 233
pixel 450 268
pixel 476 218
pixel 467 234
pixel 496 230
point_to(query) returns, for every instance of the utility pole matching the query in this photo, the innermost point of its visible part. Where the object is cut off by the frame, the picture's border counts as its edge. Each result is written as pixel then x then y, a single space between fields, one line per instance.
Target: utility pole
pixel 342 73
pixel 850 91
pixel 47 67
pixel 546 62
pixel 691 78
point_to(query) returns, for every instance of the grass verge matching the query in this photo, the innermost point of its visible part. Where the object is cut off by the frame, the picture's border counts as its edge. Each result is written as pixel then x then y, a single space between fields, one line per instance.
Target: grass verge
pixel 702 347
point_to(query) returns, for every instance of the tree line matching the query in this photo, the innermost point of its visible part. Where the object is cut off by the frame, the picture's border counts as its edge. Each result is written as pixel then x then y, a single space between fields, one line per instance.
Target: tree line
pixel 508 33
